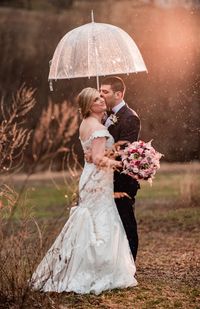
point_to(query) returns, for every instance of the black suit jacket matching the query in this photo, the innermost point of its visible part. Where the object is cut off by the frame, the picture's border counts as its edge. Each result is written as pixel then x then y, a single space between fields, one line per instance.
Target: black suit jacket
pixel 127 128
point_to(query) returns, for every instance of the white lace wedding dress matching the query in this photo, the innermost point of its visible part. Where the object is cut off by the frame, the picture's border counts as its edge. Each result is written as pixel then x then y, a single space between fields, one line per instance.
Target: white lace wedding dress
pixel 91 254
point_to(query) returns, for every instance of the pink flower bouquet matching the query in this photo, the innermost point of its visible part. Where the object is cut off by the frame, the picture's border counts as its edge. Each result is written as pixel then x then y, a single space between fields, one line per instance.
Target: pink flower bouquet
pixel 140 160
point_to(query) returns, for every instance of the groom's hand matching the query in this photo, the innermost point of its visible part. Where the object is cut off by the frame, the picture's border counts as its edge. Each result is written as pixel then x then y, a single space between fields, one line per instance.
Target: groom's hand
pixel 114 152
pixel 121 195
pixel 121 144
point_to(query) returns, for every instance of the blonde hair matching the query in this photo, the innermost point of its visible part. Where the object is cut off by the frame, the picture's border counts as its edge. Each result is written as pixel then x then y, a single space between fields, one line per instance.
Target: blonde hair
pixel 85 99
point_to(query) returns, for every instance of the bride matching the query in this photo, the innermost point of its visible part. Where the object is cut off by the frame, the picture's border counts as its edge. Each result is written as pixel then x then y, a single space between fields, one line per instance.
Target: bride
pixel 91 254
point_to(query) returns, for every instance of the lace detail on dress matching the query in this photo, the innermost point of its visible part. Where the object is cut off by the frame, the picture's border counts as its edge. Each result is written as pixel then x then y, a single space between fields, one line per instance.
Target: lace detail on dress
pixel 91 254
pixel 98 133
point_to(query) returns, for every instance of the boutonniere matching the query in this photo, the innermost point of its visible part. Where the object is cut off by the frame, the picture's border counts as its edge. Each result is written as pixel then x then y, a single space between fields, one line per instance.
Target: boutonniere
pixel 114 118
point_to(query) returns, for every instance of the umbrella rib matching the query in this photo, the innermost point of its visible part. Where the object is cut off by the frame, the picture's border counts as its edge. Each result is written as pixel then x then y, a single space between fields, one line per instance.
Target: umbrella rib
pixel 73 55
pixel 62 42
pixel 112 37
pixel 95 53
pixel 124 55
pixel 65 68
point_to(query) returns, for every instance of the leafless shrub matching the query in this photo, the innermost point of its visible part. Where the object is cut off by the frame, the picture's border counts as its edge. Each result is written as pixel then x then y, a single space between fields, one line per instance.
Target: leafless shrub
pixel 22 241
pixel 57 124
pixel 14 137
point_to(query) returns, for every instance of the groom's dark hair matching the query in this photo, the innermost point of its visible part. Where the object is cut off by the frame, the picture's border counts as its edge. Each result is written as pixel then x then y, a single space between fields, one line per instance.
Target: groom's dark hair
pixel 116 83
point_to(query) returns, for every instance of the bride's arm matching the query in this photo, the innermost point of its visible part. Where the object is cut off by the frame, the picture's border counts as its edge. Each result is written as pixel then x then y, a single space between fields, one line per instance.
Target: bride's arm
pixel 98 154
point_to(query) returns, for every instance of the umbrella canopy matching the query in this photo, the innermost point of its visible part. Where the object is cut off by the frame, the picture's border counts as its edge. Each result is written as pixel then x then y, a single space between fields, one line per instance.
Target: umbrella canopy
pixel 95 49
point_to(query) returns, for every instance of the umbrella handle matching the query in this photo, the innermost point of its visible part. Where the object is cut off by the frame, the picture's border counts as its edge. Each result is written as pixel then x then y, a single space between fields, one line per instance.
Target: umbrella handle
pixel 97 78
pixel 92 16
pixel 51 85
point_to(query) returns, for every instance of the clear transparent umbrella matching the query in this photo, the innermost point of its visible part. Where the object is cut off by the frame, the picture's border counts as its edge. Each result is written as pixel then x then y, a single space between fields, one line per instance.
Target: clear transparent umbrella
pixel 95 49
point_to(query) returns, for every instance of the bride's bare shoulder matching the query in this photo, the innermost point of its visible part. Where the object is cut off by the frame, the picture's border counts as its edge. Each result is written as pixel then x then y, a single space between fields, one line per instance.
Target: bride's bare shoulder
pixel 88 126
pixel 91 124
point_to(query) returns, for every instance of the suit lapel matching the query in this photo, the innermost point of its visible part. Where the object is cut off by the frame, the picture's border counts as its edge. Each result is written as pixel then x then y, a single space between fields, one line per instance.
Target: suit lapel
pixel 121 111
pixel 114 128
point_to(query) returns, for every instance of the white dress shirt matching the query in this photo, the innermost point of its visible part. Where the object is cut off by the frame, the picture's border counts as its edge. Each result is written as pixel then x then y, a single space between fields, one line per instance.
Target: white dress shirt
pixel 116 108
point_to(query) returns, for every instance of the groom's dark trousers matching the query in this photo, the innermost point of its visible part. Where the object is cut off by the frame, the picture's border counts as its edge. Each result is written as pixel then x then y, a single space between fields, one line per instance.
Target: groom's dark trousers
pixel 127 128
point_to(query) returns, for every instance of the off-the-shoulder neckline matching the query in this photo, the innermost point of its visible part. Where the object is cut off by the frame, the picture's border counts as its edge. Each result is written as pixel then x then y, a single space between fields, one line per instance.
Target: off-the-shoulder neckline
pixel 95 131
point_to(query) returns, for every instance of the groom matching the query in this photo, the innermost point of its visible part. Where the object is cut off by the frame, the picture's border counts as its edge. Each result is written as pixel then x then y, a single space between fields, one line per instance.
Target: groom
pixel 124 125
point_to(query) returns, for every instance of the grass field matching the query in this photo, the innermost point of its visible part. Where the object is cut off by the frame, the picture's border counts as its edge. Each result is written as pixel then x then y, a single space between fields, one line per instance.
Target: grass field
pixel 168 263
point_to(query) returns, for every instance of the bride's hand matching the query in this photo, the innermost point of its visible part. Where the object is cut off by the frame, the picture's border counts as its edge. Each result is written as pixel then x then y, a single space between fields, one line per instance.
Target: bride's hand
pixel 116 165
pixel 105 162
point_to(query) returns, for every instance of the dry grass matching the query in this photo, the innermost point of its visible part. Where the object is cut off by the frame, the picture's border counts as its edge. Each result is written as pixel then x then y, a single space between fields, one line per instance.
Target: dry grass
pixel 14 137
pixel 167 264
pixel 167 272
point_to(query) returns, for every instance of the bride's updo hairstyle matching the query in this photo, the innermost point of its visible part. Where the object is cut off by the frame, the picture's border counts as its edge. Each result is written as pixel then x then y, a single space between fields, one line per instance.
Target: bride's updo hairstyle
pixel 85 98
